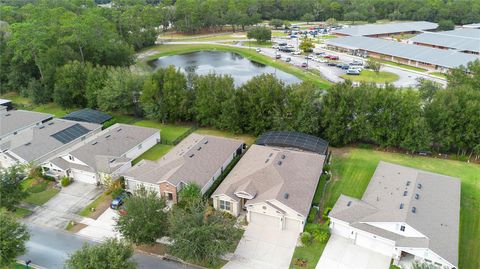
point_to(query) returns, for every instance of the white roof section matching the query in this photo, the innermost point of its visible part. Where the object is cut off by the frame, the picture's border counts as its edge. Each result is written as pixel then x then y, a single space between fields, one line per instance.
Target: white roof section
pixel 459 39
pixel 388 28
pixel 269 173
pixel 428 202
pixel 195 159
pixel 472 25
pixel 433 56
pixel 14 120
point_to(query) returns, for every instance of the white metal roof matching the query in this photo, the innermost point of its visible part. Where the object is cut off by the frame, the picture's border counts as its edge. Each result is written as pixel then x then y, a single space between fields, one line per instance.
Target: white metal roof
pixel 389 28
pixel 459 39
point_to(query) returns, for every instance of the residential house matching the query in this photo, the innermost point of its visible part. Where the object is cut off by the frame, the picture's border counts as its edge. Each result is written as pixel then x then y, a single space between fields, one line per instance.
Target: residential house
pixel 104 156
pixel 198 159
pixel 405 213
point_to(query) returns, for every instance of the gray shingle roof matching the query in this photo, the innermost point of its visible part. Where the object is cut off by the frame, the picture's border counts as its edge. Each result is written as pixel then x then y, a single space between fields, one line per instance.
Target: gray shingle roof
pixel 196 159
pixel 43 142
pixel 459 39
pixel 388 28
pixel 15 120
pixel 437 213
pixel 268 173
pixel 440 57
pixel 104 152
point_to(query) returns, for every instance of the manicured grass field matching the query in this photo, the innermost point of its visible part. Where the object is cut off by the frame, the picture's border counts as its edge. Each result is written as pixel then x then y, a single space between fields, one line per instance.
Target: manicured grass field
pixel 168 132
pixel 371 76
pixel 41 198
pixel 167 50
pixel 257 44
pixel 154 153
pixel 353 169
pixel 205 38
pixel 439 74
pixel 248 139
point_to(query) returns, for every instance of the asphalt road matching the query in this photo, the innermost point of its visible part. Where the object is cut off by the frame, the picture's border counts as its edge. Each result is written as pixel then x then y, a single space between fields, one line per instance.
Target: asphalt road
pixel 50 248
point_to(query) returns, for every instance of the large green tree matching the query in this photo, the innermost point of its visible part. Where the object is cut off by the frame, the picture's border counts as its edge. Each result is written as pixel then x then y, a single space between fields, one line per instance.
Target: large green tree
pixel 145 219
pixel 113 253
pixel 11 190
pixel 70 84
pixel 13 236
pixel 260 34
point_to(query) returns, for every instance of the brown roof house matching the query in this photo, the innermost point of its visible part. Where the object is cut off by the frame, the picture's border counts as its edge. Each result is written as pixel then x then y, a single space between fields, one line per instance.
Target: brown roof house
pixel 405 213
pixel 273 185
pixel 198 159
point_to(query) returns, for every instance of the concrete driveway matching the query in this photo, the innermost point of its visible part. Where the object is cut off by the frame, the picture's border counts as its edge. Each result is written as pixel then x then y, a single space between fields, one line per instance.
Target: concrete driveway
pixel 101 228
pixel 341 253
pixel 264 247
pixel 63 207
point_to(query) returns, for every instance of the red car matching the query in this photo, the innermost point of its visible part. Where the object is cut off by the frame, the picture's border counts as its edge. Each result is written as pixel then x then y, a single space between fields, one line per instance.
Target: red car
pixel 332 57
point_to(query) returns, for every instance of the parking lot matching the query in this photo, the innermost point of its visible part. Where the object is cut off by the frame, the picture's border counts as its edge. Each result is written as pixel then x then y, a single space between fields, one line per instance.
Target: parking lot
pixel 406 78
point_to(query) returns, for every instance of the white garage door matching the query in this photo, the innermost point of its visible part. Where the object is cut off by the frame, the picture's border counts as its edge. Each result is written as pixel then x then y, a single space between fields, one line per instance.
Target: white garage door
pixel 264 220
pixel 369 242
pixel 340 229
pixel 84 177
pixel 293 225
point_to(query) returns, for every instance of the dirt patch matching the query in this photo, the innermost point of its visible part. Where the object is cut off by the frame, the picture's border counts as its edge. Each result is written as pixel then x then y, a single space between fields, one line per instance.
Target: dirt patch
pixel 157 249
pixel 343 152
pixel 101 207
pixel 77 227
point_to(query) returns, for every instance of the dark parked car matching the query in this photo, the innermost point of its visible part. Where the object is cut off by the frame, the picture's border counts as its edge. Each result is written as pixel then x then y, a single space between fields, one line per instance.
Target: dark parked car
pixel 119 200
pixel 304 65
pixel 288 59
pixel 344 66
pixel 278 56
pixel 331 63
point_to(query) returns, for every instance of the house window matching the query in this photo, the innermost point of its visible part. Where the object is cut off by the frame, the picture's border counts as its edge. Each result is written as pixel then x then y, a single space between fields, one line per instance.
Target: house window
pixel 169 196
pixel 225 205
pixel 71 158
pixel 402 228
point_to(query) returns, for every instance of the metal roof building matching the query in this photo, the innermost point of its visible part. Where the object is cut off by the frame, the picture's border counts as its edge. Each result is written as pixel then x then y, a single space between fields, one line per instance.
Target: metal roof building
pixel 420 54
pixel 88 115
pixel 465 40
pixel 293 140
pixel 389 28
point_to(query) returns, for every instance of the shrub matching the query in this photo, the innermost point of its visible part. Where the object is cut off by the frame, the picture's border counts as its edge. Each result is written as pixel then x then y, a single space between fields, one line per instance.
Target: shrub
pixel 49 178
pixel 116 192
pixel 65 181
pixel 312 214
pixel 326 212
pixel 306 238
pixel 321 236
pixel 326 167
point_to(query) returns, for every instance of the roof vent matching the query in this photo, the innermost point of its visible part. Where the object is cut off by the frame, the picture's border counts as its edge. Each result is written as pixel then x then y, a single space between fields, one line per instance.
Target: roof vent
pixel 401 205
pixel 41 127
pixel 417 196
pixel 199 148
pixel 94 143
pixel 349 203
pixel 50 123
pixel 266 161
pixel 283 156
pixel 191 155
pixel 206 142
pixel 270 155
pixel 408 183
pixel 279 162
pixel 119 129
pixel 6 115
pixel 107 136
pixel 414 209
pixel 112 160
pixel 405 193
pixel 419 186
pixel 285 195
pixel 28 144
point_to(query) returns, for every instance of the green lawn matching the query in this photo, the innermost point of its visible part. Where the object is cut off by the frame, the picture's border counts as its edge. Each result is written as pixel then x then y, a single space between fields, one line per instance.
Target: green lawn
pixel 19 266
pixel 40 191
pixel 257 44
pixel 248 139
pixel 310 253
pixel 353 170
pixel 168 132
pixel 21 212
pixel 204 38
pixel 371 76
pixel 167 50
pixel 154 153
pixel 406 66
pixel 439 74
pixel 86 211
pixel 24 103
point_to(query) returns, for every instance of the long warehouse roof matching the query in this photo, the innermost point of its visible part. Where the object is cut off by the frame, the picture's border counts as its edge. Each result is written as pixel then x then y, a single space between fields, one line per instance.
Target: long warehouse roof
pixel 388 28
pixel 460 39
pixel 440 57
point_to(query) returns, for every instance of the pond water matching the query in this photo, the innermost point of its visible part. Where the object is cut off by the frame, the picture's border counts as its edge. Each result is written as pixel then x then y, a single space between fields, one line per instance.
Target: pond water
pixel 223 63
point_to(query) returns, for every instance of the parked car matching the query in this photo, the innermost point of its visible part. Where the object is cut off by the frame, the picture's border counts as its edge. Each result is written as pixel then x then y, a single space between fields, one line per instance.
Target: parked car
pixel 304 65
pixel 119 200
pixel 321 54
pixel 345 66
pixel 333 57
pixel 288 59
pixel 297 52
pixel 356 63
pixel 258 50
pixel 278 56
pixel 282 44
pixel 320 60
pixel 331 63
pixel 353 72
pixel 308 57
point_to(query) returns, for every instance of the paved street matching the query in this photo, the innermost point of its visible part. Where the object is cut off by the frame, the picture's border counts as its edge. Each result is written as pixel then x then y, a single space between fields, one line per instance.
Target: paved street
pixel 49 248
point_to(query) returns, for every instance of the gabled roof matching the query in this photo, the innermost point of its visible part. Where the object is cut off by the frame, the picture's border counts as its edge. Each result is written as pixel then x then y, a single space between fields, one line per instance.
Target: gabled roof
pixel 269 173
pixel 105 153
pixel 428 202
pixel 196 159
pixel 388 28
pixel 14 120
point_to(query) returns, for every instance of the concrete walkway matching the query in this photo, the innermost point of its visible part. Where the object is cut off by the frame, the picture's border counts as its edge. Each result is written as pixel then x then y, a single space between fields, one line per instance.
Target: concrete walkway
pixel 101 228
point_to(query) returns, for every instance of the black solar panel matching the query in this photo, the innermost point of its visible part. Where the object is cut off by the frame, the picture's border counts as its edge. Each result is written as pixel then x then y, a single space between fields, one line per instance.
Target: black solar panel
pixel 71 133
pixel 88 115
pixel 294 140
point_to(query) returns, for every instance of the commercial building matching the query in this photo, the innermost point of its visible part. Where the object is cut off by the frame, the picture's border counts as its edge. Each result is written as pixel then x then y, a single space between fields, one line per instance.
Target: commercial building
pixel 274 182
pixel 388 29
pixel 415 55
pixel 103 156
pixel 406 214
pixel 198 159
pixel 465 40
